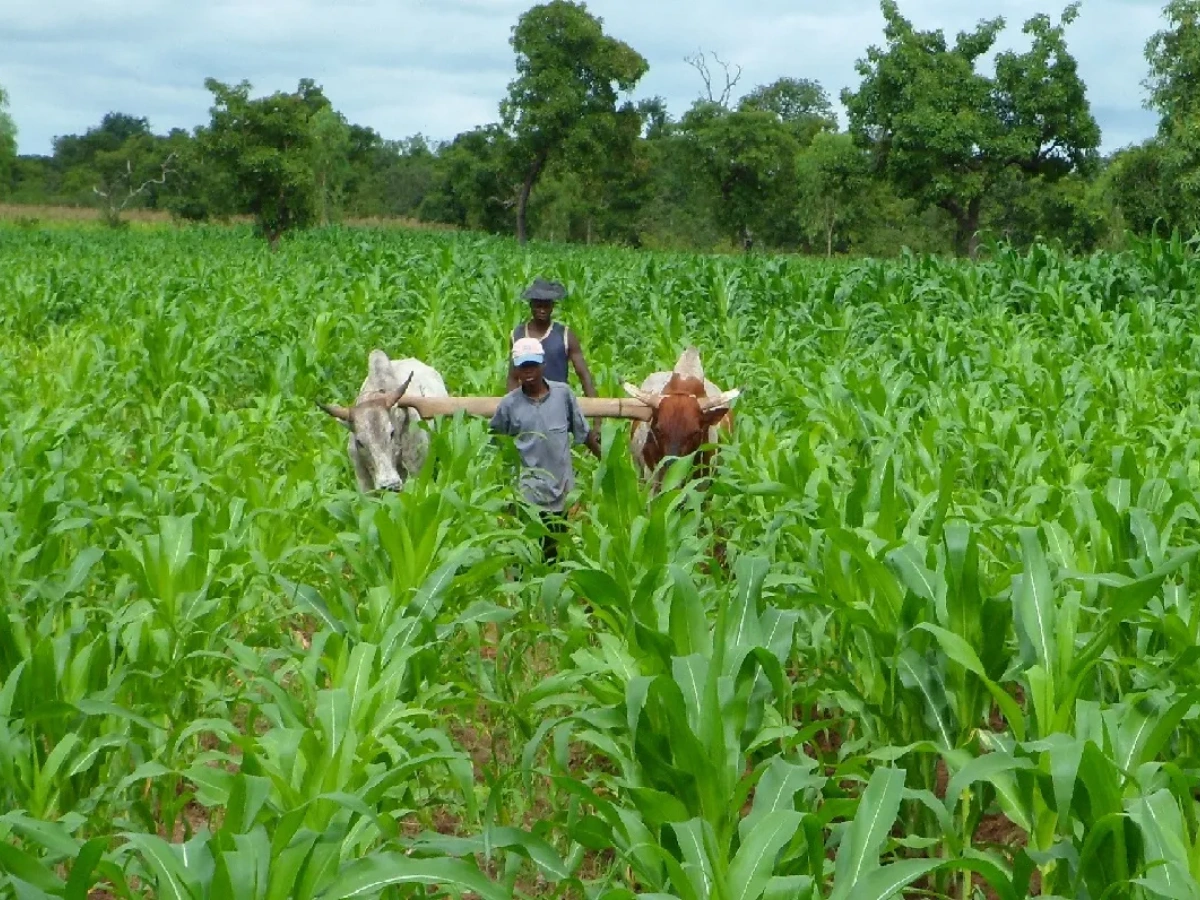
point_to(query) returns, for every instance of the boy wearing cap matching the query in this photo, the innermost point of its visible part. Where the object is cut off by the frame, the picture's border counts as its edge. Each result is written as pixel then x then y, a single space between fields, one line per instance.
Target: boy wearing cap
pixel 544 416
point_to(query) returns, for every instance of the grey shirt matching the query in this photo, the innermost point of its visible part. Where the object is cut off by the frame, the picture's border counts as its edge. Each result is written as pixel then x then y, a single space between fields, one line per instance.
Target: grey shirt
pixel 543 430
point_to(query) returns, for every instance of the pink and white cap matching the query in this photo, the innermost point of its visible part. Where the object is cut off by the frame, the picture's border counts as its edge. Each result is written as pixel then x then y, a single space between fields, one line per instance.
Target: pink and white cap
pixel 527 350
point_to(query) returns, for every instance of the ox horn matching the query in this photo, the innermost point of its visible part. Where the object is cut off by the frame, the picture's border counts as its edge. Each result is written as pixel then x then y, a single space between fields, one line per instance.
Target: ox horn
pixel 717 402
pixel 651 400
pixel 341 413
pixel 393 397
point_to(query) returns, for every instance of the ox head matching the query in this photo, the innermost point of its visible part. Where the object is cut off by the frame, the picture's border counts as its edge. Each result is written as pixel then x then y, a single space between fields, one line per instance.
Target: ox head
pixel 377 433
pixel 681 415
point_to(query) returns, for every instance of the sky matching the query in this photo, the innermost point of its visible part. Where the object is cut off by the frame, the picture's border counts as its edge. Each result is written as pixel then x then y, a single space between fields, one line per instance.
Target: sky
pixel 439 67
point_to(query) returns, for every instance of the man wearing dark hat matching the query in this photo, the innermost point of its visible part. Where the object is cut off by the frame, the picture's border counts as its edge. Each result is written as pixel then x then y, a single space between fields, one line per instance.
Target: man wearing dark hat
pixel 559 343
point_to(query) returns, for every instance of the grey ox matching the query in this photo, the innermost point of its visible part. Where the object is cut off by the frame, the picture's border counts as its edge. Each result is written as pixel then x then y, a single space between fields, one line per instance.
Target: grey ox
pixel 386 444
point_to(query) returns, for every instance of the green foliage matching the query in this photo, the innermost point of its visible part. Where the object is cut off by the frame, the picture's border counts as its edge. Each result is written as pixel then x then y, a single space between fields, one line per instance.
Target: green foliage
pixel 472 184
pixel 330 162
pixel 748 157
pixel 1174 58
pixel 944 133
pixel 1139 186
pixel 801 103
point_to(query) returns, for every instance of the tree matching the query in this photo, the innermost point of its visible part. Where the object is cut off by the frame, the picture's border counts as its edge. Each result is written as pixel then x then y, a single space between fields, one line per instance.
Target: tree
pixel 568 73
pixel 8 145
pixel 749 158
pixel 832 177
pixel 944 133
pixel 1174 57
pixel 698 62
pixel 267 145
pixel 599 183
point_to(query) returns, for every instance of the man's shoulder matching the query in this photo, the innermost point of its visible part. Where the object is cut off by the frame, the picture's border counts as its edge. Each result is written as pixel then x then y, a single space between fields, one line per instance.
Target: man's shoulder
pixel 509 399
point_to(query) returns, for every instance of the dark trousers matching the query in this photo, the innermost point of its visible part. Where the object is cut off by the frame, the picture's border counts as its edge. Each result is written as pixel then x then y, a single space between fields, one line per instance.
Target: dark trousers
pixel 556 524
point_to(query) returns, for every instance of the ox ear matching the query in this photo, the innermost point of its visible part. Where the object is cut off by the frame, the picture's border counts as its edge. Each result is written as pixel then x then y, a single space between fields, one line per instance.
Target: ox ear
pixel 714 409
pixel 651 400
pixel 341 413
pixel 710 417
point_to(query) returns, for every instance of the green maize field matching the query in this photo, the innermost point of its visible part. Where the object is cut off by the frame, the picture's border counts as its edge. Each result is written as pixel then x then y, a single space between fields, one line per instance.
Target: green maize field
pixel 952 648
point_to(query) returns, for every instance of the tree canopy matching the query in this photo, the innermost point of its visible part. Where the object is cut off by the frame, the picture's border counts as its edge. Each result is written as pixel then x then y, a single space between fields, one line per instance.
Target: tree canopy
pixel 947 143
pixel 944 133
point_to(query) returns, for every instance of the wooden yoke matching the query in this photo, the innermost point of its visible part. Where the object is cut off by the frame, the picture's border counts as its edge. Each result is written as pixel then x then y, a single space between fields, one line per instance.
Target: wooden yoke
pixel 591 407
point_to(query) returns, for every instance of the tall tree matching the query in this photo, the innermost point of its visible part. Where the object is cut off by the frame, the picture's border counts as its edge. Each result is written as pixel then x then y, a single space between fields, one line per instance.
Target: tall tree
pixel 267 145
pixel 1174 57
pixel 944 133
pixel 8 145
pixel 568 73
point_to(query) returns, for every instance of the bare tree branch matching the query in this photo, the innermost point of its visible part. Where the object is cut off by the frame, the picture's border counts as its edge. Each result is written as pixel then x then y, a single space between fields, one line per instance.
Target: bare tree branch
pixel 114 210
pixel 698 62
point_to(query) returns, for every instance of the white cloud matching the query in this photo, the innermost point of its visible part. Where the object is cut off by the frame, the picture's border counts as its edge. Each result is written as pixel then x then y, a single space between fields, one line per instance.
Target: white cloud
pixel 441 66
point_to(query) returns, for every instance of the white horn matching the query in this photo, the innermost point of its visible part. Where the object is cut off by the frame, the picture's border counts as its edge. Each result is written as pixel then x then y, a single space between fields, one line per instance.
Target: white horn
pixel 717 402
pixel 403 389
pixel 651 400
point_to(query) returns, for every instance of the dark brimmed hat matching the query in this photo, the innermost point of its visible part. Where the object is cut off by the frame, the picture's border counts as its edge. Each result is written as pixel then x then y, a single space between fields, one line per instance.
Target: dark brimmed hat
pixel 544 290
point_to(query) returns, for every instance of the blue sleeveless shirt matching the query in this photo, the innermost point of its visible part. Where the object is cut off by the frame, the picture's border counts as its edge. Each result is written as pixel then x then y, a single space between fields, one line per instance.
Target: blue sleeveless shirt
pixel 554 346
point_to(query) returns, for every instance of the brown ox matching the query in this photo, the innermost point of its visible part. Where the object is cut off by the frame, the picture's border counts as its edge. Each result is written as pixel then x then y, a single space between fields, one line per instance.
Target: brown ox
pixel 688 412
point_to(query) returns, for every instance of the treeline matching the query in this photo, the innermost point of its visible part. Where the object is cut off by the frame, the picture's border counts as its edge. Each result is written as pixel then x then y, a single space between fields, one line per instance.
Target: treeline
pixel 937 153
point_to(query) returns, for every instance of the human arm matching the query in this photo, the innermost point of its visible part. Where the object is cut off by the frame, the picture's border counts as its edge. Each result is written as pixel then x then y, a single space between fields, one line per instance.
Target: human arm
pixel 589 437
pixel 575 354
pixel 501 421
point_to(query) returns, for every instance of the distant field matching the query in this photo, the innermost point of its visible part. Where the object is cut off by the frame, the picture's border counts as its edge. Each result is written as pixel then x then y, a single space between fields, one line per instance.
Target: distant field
pixel 33 216
pixel 956 639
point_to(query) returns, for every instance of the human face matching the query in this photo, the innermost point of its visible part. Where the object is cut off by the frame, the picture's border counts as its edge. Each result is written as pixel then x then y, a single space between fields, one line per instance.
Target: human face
pixel 530 375
pixel 541 311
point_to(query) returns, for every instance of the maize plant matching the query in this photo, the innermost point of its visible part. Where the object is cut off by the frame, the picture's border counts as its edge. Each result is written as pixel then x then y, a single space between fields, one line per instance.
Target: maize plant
pixel 930 630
